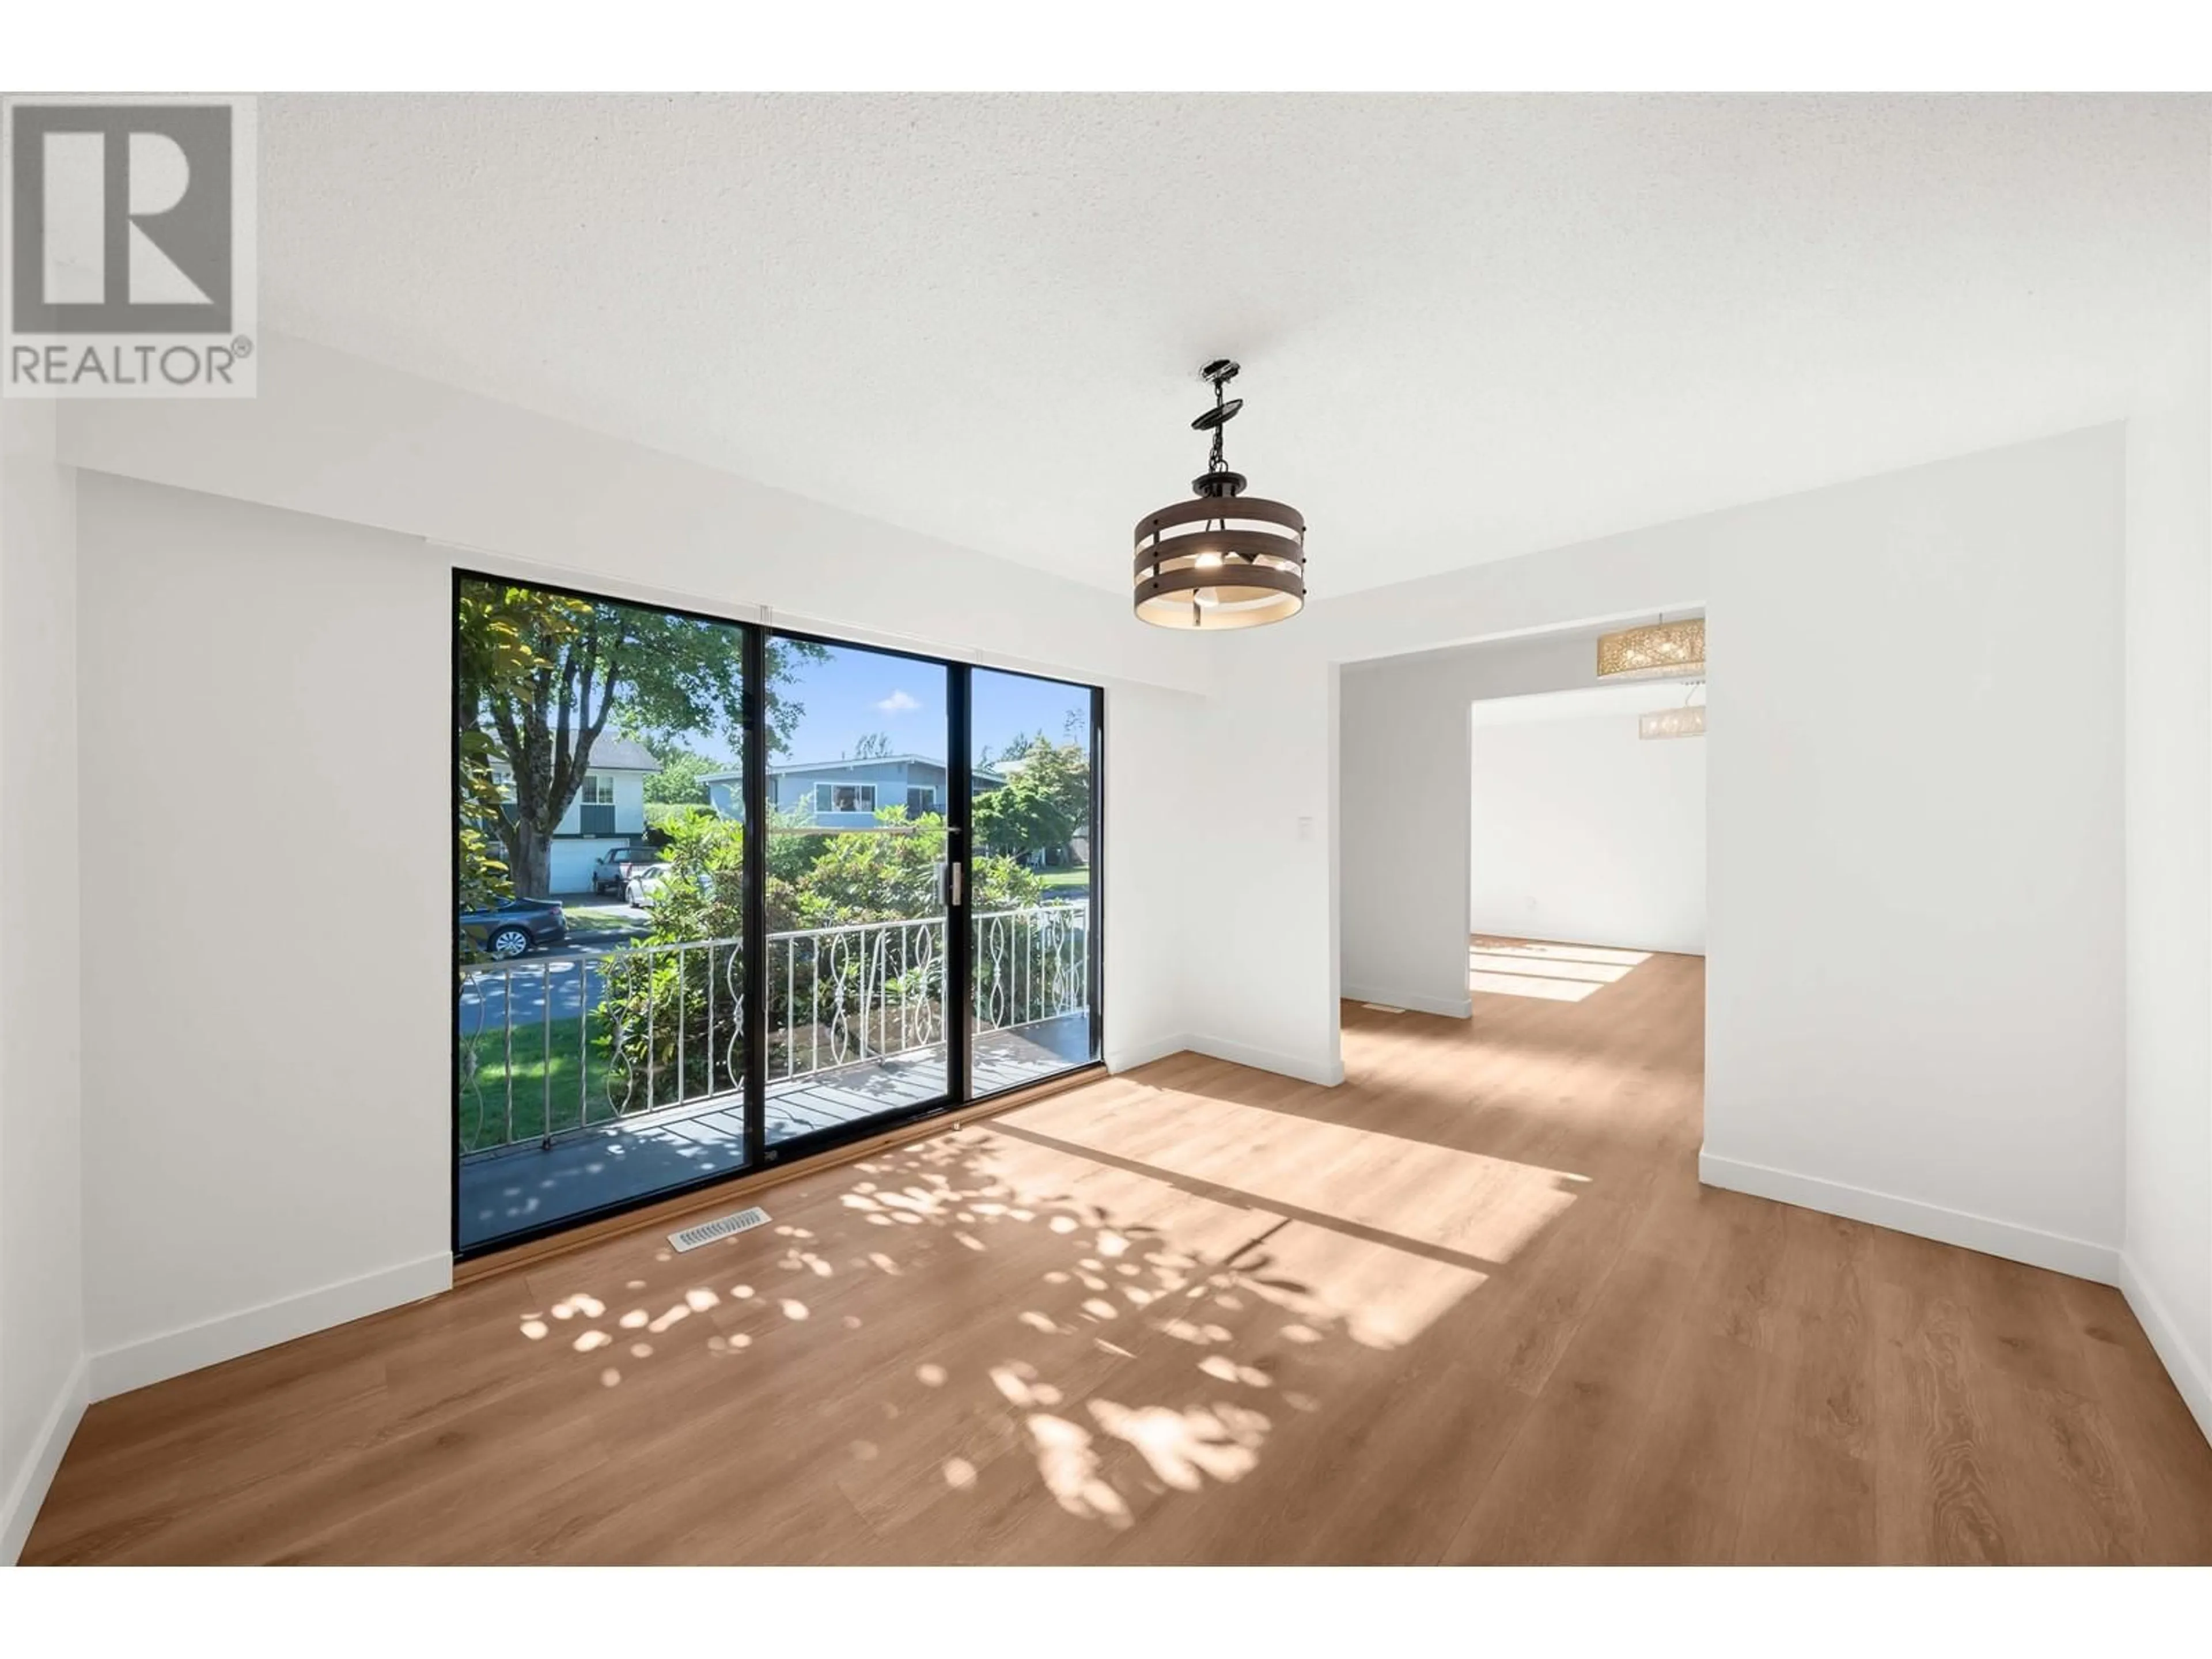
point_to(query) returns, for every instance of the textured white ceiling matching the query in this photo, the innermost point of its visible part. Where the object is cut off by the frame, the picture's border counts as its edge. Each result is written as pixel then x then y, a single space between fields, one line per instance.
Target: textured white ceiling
pixel 1471 326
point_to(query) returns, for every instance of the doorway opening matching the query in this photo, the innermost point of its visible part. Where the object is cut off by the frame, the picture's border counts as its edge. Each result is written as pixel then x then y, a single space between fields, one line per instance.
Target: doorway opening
pixel 1586 840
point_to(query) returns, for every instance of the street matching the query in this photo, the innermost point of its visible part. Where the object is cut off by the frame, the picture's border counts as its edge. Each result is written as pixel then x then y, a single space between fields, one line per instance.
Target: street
pixel 487 989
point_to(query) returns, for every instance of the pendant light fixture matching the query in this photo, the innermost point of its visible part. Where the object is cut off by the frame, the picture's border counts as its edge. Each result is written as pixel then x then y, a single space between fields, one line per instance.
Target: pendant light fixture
pixel 1687 721
pixel 1658 650
pixel 1225 559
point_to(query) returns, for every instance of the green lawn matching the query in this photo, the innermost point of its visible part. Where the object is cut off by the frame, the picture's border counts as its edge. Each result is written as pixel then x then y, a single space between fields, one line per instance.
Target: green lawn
pixel 1076 877
pixel 484 1083
pixel 604 918
pixel 568 1104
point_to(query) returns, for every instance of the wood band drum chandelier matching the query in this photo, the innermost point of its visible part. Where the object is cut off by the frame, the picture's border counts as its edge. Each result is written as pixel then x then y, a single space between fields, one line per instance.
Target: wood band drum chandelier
pixel 1226 559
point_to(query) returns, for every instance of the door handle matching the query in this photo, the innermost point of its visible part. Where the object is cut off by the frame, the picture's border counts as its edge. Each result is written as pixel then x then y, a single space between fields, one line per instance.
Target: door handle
pixel 954 866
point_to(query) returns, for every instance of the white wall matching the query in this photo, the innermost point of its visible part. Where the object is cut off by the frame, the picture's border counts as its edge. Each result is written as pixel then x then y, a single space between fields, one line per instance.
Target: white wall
pixel 2168 1264
pixel 1156 938
pixel 267 1122
pixel 569 861
pixel 42 1381
pixel 1404 855
pixel 1259 875
pixel 282 1109
pixel 1583 830
pixel 335 435
pixel 1914 831
pixel 1273 752
pixel 628 804
pixel 1916 973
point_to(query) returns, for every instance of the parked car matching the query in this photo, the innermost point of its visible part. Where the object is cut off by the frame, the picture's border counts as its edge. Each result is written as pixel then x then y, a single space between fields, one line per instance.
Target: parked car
pixel 612 872
pixel 515 926
pixel 642 883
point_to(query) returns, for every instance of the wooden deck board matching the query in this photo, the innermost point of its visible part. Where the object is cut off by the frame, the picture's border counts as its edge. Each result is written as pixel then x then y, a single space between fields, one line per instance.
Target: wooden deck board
pixel 517 1188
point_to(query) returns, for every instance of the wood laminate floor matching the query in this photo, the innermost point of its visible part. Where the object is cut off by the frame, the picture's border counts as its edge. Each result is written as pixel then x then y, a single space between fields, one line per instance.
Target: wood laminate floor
pixel 1472 1306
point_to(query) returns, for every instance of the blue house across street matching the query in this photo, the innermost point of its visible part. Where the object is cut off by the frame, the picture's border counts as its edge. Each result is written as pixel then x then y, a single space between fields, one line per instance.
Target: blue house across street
pixel 846 795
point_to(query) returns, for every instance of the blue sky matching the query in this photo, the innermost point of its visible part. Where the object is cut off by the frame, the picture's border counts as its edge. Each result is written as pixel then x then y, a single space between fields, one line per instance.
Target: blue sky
pixel 857 691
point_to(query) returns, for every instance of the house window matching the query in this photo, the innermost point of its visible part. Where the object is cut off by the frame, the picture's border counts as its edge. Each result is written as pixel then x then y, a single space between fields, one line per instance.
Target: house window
pixel 598 790
pixel 920 799
pixel 844 797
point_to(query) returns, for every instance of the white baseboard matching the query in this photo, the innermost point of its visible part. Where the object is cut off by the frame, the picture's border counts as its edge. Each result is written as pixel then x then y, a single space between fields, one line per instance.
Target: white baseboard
pixel 156 1359
pixel 1127 1057
pixel 1238 1053
pixel 2187 1369
pixel 1328 1074
pixel 21 1506
pixel 2076 1256
pixel 1443 1006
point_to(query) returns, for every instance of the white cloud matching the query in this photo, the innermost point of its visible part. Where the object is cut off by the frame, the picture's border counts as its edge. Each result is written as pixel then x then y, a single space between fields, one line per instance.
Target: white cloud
pixel 898 704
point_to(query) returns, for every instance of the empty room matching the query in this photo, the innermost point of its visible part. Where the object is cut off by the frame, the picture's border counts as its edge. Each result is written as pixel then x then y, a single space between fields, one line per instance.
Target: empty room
pixel 965 829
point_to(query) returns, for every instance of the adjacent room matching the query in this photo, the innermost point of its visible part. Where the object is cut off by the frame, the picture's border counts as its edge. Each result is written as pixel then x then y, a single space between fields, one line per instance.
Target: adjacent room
pixel 1586 830
pixel 638 927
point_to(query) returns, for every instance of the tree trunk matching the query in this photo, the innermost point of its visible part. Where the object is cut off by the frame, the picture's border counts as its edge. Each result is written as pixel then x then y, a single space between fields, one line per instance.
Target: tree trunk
pixel 546 737
pixel 529 861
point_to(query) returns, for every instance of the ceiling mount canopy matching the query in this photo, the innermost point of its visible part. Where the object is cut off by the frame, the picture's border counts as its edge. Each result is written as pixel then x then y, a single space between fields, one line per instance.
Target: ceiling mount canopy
pixel 1224 559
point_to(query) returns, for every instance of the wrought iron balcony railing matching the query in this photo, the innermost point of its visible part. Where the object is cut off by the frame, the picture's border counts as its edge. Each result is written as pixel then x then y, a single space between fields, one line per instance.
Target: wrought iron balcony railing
pixel 564 1044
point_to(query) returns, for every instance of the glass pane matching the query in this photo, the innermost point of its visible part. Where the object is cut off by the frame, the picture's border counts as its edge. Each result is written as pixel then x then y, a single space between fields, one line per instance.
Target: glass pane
pixel 601 1060
pixel 1033 909
pixel 856 888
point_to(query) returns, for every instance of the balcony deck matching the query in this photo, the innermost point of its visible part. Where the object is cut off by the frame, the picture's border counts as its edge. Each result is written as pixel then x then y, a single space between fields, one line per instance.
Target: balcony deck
pixel 516 1187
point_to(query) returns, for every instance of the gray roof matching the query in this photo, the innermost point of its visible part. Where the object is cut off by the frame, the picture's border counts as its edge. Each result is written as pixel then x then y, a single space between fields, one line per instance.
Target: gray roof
pixel 613 753
pixel 784 769
pixel 776 767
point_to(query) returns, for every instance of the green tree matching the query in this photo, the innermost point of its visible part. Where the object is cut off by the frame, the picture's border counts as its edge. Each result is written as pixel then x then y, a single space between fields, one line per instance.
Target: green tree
pixel 1045 799
pixel 890 873
pixel 501 636
pixel 873 745
pixel 573 664
pixel 682 778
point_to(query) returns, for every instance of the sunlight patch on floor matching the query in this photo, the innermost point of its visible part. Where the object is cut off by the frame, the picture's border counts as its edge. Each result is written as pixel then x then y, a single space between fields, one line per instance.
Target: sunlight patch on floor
pixel 1524 985
pixel 1462 1202
pixel 1550 973
pixel 1537 949
pixel 1224 1244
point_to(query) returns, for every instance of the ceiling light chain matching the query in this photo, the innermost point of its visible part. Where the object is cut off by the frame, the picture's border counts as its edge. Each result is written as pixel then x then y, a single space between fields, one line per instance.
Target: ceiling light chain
pixel 1220 373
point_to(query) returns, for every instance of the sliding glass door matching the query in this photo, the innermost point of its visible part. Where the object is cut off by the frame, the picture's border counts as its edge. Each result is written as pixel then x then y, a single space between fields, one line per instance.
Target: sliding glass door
pixel 599 1056
pixel 728 897
pixel 859 887
pixel 1033 804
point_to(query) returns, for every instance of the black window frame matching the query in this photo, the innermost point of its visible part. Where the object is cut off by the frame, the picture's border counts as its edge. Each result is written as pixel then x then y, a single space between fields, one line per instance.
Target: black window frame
pixel 958 794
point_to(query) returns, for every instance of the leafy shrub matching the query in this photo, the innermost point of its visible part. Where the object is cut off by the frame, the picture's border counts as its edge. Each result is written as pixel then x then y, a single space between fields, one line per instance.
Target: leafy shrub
pixel 860 994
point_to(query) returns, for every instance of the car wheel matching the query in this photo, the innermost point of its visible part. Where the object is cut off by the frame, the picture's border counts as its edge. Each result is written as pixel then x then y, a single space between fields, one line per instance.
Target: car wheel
pixel 509 942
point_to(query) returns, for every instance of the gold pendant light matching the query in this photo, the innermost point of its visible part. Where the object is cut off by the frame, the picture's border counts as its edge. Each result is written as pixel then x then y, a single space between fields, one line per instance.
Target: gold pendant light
pixel 1660 650
pixel 1226 559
